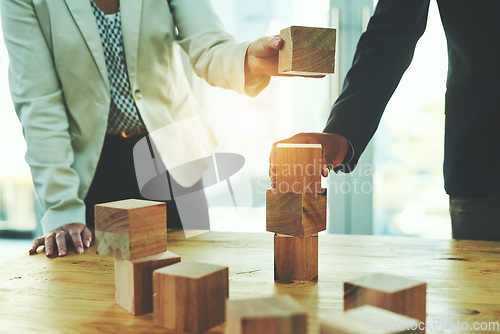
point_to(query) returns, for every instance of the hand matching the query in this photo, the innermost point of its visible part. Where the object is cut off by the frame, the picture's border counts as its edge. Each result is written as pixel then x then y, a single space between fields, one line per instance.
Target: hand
pixel 334 149
pixel 262 59
pixel 76 233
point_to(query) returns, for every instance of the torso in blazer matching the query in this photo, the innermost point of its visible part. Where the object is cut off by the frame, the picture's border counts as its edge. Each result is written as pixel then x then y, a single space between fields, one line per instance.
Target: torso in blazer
pixel 59 83
pixel 384 52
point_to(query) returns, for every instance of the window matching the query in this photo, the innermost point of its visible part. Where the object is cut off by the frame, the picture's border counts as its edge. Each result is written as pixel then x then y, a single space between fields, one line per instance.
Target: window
pixel 408 196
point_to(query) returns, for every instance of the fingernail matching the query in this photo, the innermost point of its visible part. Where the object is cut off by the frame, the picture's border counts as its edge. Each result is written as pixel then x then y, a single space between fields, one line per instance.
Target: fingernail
pixel 62 252
pixel 79 250
pixel 87 243
pixel 276 41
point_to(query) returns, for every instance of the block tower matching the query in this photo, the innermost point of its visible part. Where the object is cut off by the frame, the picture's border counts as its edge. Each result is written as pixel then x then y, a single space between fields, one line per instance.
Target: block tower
pixel 296 212
pixel 134 232
pixel 185 297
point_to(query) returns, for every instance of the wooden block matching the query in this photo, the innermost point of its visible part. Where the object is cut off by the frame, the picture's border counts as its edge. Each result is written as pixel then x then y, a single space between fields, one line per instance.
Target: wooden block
pixel 298 168
pixel 393 293
pixel 295 258
pixel 371 320
pixel 190 296
pixel 134 281
pixel 307 51
pixel 294 214
pixel 279 314
pixel 131 229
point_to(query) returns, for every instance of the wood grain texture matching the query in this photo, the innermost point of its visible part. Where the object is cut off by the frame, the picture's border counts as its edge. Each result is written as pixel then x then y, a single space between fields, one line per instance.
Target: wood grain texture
pixel 294 214
pixel 190 296
pixel 369 319
pixel 131 229
pixel 295 259
pixel 307 51
pixel 298 168
pixel 134 281
pixel 273 315
pixel 393 293
pixel 76 293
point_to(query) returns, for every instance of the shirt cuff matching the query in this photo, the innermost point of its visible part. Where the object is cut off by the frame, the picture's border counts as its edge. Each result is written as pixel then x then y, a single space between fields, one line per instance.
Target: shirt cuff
pixel 53 219
pixel 350 153
pixel 344 166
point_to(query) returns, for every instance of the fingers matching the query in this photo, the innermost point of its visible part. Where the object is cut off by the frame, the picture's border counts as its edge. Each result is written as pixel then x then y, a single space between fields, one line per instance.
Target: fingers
pixel 265 47
pixel 334 149
pixel 50 244
pixel 341 146
pixel 76 236
pixel 325 170
pixel 325 163
pixel 272 45
pixel 61 242
pixel 87 237
pixel 36 243
pixel 57 240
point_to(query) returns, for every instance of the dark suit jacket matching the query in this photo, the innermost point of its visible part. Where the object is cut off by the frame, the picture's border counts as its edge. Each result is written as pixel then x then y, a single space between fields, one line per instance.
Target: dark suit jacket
pixel 385 50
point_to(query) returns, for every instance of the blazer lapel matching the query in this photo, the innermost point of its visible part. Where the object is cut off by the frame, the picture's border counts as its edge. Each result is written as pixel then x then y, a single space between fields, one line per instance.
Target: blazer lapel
pixel 131 11
pixel 84 18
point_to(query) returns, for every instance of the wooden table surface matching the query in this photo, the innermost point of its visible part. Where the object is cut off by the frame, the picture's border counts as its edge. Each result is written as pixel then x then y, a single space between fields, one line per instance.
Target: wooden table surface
pixel 75 294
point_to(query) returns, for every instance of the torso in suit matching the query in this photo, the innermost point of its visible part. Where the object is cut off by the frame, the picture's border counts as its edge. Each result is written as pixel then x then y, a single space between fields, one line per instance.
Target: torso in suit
pixel 60 87
pixel 385 50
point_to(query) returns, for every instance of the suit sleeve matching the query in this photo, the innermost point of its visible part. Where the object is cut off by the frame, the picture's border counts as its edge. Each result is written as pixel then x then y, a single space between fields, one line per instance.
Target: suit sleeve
pixel 39 104
pixel 214 54
pixel 383 54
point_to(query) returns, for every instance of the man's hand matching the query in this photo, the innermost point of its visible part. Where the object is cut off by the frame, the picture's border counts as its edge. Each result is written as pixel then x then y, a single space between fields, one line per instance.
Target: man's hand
pixel 76 233
pixel 262 58
pixel 334 146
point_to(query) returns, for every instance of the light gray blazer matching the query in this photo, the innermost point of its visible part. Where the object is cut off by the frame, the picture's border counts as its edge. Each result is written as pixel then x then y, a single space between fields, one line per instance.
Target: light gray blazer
pixel 59 83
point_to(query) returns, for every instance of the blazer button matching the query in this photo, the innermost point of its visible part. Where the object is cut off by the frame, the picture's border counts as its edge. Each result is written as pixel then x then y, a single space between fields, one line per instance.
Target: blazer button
pixel 137 94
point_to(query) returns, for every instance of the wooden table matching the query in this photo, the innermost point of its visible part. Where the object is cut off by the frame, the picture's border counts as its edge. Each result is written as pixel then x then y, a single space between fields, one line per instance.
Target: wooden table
pixel 75 294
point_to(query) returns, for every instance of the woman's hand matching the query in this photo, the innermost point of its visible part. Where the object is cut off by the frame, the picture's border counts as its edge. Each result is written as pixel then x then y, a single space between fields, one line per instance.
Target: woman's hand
pixel 334 150
pixel 262 59
pixel 58 239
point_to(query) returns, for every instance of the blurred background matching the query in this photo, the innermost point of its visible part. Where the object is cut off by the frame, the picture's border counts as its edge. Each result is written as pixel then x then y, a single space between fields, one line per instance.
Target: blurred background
pixel 397 188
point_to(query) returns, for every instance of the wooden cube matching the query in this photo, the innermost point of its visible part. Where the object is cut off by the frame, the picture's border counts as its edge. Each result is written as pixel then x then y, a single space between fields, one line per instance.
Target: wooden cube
pixel 295 259
pixel 190 296
pixel 279 314
pixel 294 214
pixel 298 168
pixel 307 51
pixel 393 293
pixel 131 229
pixel 369 319
pixel 134 281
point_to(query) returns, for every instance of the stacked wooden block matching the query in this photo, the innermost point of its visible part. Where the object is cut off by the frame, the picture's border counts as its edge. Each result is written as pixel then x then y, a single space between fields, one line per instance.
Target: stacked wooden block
pixel 134 232
pixel 380 303
pixel 296 212
pixel 184 296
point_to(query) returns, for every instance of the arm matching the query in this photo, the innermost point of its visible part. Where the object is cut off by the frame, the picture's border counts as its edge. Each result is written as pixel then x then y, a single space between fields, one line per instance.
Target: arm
pixel 214 53
pixel 383 54
pixel 39 103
